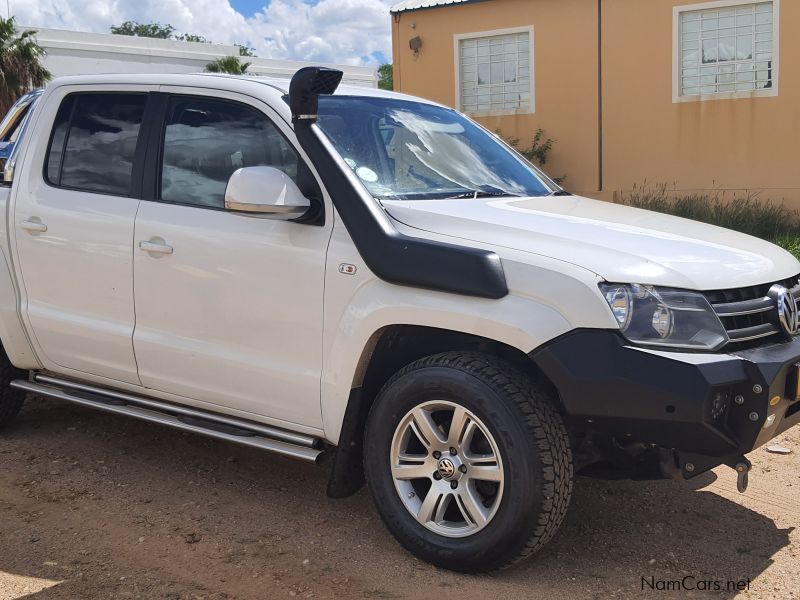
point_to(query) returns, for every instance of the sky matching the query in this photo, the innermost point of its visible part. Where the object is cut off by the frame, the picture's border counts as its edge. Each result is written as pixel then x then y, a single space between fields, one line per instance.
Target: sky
pixel 355 32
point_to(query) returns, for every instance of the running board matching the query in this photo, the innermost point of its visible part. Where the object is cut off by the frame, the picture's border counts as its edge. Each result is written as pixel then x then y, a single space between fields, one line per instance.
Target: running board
pixel 221 427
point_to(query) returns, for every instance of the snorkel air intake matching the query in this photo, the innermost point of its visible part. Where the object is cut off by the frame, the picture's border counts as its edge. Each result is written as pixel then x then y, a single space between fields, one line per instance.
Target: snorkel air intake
pixel 306 87
pixel 391 255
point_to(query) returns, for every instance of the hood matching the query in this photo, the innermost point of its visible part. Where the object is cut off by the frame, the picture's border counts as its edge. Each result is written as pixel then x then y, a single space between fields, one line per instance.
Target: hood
pixel 620 243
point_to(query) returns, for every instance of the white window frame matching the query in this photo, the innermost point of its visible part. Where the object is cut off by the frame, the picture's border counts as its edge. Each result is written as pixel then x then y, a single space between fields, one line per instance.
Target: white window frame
pixel 677 89
pixel 484 34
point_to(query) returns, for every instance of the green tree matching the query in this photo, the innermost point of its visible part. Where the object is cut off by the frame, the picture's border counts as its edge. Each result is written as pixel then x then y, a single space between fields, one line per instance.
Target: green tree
pixel 191 37
pixel 228 64
pixel 150 30
pixel 386 77
pixel 167 32
pixel 246 50
pixel 21 67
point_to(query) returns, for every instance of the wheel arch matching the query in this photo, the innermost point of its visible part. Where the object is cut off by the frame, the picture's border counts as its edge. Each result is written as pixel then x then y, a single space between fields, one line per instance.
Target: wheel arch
pixel 387 351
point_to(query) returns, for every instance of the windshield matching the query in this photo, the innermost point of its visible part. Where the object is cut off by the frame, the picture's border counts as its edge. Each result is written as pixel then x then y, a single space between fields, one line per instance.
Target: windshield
pixel 405 150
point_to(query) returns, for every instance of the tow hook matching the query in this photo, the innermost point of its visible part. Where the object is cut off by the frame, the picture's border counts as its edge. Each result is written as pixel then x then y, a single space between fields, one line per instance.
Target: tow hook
pixel 742 467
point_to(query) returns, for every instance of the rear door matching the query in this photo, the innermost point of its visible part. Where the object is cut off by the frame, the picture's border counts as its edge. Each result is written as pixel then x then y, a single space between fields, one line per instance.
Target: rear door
pixel 228 306
pixel 74 216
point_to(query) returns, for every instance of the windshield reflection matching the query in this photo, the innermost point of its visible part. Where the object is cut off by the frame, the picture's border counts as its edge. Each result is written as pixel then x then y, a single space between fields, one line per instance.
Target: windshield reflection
pixel 409 150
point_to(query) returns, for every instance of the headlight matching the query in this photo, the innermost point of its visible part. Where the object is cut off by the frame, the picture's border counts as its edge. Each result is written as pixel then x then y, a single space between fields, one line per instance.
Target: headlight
pixel 656 316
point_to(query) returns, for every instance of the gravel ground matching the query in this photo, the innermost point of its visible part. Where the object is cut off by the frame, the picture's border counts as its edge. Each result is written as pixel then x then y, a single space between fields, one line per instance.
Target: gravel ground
pixel 96 506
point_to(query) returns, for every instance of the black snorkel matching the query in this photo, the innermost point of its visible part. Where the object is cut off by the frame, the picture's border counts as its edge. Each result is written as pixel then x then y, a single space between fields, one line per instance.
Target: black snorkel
pixel 391 255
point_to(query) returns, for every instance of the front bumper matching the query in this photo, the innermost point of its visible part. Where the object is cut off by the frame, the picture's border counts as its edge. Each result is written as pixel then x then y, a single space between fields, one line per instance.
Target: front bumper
pixel 709 408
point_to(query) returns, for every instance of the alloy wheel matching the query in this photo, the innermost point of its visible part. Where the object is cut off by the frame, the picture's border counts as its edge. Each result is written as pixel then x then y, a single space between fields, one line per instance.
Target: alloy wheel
pixel 447 469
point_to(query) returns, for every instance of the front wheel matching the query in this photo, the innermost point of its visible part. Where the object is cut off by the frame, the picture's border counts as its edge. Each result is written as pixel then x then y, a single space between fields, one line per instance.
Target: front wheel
pixel 468 461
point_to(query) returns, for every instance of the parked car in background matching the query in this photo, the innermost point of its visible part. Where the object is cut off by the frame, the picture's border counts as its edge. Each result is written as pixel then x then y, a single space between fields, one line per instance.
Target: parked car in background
pixel 336 272
pixel 13 122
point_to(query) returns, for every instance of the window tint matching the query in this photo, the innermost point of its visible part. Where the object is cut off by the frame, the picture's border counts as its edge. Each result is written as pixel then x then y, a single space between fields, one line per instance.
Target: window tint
pixel 56 150
pixel 205 141
pixel 94 141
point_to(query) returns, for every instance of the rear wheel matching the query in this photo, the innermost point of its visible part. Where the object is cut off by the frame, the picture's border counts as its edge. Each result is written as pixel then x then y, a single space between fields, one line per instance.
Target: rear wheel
pixel 468 461
pixel 10 399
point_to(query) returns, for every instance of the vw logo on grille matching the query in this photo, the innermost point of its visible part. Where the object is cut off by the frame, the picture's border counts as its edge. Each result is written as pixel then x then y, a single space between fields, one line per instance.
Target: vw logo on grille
pixel 788 317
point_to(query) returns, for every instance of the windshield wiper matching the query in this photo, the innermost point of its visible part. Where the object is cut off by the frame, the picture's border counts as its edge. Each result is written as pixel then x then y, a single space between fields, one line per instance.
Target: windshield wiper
pixel 561 193
pixel 483 194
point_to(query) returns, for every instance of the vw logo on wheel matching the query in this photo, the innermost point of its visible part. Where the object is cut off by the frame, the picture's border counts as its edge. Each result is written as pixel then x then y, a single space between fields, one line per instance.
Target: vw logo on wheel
pixel 446 468
pixel 788 317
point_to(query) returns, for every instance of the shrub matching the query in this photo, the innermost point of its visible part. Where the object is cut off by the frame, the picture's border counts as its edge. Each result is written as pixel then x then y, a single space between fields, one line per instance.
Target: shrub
pixel 790 243
pixel 748 214
pixel 538 152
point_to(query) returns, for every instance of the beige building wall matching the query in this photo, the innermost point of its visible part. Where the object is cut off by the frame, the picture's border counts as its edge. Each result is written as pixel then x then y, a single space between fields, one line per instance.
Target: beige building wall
pixel 565 72
pixel 737 146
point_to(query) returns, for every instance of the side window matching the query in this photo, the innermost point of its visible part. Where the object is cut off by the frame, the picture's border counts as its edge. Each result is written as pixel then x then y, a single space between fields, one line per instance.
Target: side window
pixel 94 141
pixel 57 139
pixel 205 141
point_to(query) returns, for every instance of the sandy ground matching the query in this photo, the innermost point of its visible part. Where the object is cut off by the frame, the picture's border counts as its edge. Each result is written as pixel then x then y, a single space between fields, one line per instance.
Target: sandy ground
pixel 95 506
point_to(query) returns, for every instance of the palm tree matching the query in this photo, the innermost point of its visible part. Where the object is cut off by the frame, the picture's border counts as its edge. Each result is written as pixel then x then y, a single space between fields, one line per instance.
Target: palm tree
pixel 228 64
pixel 21 67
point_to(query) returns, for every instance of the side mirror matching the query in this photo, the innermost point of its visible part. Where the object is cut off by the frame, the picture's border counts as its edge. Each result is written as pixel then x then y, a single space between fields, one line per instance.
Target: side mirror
pixel 266 192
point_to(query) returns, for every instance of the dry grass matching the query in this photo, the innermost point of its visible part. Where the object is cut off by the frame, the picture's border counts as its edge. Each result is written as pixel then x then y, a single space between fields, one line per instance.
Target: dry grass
pixel 748 214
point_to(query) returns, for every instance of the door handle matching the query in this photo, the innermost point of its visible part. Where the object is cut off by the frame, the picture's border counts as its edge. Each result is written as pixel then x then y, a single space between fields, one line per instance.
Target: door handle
pixel 155 247
pixel 33 225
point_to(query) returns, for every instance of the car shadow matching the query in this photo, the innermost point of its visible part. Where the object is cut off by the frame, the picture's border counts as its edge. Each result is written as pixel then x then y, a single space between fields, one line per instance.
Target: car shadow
pixel 94 479
pixel 656 536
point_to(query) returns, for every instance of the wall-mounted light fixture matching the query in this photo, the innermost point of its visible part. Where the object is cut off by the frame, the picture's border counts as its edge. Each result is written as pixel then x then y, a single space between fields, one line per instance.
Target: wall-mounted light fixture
pixel 415 44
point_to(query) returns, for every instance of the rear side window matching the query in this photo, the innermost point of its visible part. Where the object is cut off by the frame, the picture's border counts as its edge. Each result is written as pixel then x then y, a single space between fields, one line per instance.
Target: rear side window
pixel 93 142
pixel 206 140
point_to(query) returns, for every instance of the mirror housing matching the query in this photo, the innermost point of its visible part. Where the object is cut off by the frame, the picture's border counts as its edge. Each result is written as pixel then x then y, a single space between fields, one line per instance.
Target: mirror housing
pixel 266 192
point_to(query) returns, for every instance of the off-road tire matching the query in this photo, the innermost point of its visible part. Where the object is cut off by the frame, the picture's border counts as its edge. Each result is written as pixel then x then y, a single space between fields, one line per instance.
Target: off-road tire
pixel 530 435
pixel 10 399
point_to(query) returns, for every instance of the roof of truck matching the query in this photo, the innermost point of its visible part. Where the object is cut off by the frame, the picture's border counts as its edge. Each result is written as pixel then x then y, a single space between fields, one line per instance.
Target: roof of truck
pixel 182 79
pixel 265 87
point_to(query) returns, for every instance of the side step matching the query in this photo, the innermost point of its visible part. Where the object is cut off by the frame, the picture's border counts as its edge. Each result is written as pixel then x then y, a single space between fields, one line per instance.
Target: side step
pixel 221 427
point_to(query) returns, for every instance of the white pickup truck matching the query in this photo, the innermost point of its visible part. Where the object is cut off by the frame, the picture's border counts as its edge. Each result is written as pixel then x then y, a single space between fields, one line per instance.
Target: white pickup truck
pixel 345 273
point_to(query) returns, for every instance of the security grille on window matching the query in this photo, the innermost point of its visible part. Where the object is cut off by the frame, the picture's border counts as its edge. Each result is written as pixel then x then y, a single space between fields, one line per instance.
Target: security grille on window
pixel 727 50
pixel 496 73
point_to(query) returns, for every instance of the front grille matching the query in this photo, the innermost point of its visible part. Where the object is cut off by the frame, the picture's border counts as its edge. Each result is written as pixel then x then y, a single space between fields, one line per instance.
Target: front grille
pixel 749 316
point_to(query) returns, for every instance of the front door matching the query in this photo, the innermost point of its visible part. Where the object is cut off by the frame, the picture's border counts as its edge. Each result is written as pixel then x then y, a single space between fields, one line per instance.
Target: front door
pixel 228 306
pixel 73 222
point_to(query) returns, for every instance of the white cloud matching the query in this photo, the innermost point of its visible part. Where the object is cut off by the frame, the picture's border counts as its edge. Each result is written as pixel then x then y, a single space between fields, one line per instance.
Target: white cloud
pixel 344 31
